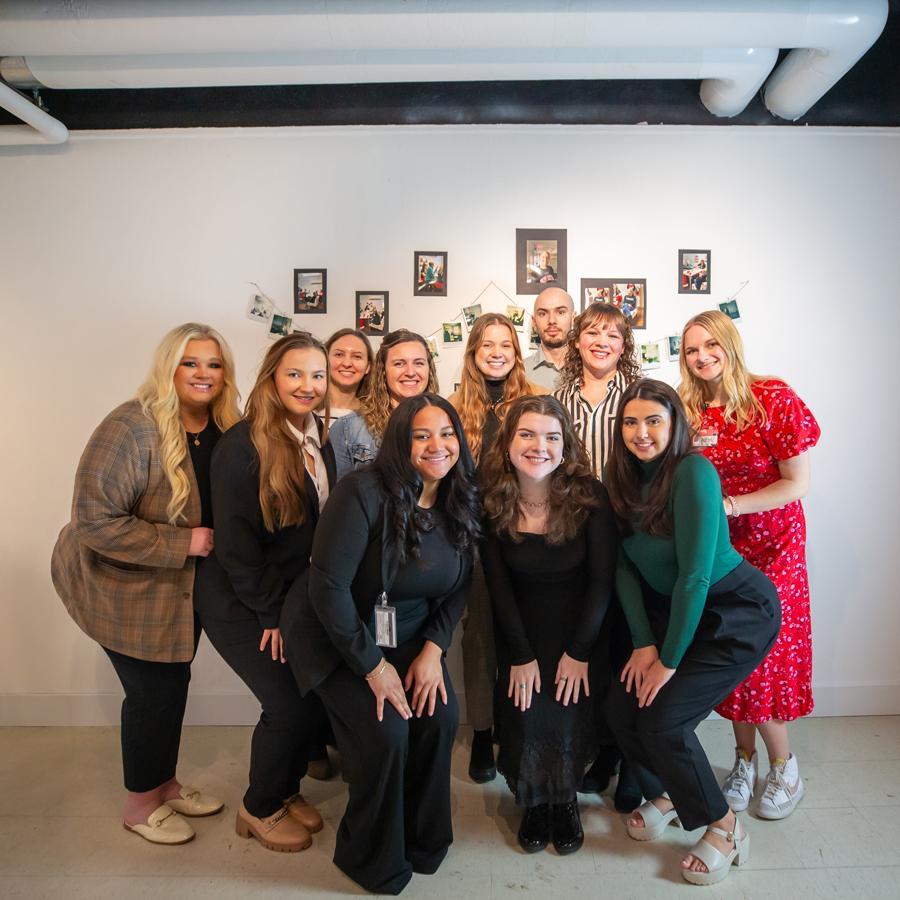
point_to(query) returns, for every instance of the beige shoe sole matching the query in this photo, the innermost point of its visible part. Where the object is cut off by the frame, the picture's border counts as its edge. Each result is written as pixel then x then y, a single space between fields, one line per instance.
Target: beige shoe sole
pixel 147 833
pixel 245 830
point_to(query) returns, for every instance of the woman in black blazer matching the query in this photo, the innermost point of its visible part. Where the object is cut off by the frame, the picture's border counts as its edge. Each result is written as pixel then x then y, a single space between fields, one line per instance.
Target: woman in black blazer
pixel 400 533
pixel 271 475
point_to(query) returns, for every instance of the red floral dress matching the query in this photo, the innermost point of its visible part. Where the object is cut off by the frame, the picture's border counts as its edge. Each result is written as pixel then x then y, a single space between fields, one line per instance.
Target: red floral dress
pixel 773 541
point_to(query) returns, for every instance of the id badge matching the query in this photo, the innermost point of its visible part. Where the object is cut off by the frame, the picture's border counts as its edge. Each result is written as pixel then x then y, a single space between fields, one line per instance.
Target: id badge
pixel 707 436
pixel 385 624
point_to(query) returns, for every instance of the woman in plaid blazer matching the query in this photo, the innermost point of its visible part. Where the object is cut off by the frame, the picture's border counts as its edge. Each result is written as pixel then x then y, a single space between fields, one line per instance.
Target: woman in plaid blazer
pixel 124 564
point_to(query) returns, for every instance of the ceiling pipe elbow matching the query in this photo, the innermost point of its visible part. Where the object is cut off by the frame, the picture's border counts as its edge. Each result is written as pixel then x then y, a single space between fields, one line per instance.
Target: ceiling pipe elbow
pixel 39 128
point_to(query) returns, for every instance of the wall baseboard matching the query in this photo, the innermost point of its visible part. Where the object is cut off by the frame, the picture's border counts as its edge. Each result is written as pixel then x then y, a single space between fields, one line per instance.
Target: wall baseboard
pixel 242 709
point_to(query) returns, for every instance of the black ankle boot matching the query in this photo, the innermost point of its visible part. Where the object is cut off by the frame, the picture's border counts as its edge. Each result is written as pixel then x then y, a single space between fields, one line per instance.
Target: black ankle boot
pixel 568 835
pixel 481 763
pixel 534 832
pixel 596 779
pixel 628 792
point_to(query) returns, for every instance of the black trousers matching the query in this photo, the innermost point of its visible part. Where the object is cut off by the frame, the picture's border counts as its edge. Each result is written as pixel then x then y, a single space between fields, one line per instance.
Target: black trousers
pixel 288 722
pixel 397 819
pixel 738 628
pixel 152 715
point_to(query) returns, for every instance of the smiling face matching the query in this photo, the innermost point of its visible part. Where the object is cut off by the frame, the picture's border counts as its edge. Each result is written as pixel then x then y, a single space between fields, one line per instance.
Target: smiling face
pixel 301 381
pixel 495 356
pixel 646 428
pixel 600 344
pixel 704 355
pixel 406 370
pixel 200 375
pixel 536 448
pixel 434 446
pixel 553 312
pixel 348 361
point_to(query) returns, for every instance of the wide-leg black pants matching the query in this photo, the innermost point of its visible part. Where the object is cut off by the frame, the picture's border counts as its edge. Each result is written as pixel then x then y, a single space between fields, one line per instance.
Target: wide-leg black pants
pixel 288 721
pixel 738 628
pixel 397 819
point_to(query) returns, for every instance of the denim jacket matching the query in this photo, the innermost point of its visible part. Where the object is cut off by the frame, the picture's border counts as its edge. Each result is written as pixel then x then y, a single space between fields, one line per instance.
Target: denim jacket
pixel 353 445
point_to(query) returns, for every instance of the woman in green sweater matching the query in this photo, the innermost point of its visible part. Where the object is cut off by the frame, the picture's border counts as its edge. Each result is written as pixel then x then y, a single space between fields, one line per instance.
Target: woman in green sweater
pixel 701 619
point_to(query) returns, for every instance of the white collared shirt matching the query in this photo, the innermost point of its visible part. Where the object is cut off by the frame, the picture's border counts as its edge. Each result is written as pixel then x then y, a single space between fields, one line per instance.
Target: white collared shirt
pixel 308 439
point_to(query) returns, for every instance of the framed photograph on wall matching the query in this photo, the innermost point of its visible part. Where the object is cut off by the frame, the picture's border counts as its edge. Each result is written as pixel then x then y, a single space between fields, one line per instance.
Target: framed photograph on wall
pixel 540 259
pixel 630 296
pixel 372 312
pixel 595 290
pixel 310 294
pixel 694 271
pixel 430 273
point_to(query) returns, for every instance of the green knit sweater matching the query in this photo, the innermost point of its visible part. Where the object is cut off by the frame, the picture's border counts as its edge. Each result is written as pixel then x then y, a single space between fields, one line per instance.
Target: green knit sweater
pixel 682 566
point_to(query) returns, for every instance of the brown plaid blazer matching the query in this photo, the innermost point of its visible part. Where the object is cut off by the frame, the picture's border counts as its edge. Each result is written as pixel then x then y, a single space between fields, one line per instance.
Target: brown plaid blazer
pixel 121 569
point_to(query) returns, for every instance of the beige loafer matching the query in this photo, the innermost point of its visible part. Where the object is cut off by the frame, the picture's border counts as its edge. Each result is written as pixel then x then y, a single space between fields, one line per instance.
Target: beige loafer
pixel 280 832
pixel 164 826
pixel 308 816
pixel 193 803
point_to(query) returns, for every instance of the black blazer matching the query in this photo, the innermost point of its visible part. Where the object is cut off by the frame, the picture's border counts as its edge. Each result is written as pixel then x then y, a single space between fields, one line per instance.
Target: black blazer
pixel 325 611
pixel 251 565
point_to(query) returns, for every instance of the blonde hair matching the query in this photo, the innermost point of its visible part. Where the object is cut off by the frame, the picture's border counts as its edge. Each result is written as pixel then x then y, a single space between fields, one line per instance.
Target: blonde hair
pixel 282 474
pixel 376 407
pixel 159 401
pixel 741 405
pixel 472 399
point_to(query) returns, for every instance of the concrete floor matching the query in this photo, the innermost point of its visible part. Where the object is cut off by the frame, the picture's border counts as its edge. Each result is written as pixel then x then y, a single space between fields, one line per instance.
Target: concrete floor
pixel 61 834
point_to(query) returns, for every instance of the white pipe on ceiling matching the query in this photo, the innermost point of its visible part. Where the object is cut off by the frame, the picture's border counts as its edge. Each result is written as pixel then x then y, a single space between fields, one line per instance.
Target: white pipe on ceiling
pixel 730 44
pixel 39 127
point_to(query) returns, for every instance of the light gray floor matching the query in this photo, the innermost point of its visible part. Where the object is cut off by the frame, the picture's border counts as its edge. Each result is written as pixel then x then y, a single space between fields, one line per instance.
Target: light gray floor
pixel 61 835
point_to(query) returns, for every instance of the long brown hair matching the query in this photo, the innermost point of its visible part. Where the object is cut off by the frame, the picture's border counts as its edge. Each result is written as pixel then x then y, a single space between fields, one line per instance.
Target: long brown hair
pixel 628 365
pixel 282 476
pixel 741 405
pixel 376 406
pixel 472 399
pixel 623 471
pixel 573 488
pixel 363 387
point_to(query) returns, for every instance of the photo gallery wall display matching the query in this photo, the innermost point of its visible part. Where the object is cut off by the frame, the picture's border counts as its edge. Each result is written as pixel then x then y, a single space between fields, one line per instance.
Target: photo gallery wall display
pixel 540 259
pixel 430 273
pixel 372 312
pixel 629 295
pixel 694 271
pixel 310 291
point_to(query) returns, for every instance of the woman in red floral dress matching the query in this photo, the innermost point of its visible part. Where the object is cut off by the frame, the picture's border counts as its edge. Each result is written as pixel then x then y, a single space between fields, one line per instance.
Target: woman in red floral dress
pixel 755 430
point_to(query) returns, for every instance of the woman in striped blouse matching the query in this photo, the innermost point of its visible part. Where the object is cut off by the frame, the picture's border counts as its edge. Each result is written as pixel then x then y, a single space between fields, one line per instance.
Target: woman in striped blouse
pixel 600 364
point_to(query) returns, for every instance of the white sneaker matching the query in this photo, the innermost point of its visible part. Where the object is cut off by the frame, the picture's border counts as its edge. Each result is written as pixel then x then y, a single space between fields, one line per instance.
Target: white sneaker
pixel 784 790
pixel 741 782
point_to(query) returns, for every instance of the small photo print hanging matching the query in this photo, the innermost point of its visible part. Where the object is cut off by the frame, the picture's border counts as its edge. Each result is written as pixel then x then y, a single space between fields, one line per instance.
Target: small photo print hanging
pixel 730 308
pixel 452 332
pixel 650 358
pixel 471 313
pixel 260 309
pixel 280 327
pixel 674 345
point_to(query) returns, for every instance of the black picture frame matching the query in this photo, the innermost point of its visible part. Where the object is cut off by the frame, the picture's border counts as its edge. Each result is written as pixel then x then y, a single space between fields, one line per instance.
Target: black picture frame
pixel 430 282
pixel 310 291
pixel 694 272
pixel 372 309
pixel 531 243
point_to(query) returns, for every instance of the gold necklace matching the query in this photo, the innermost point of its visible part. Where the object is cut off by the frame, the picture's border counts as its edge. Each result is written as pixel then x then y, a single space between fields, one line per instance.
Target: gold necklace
pixel 533 504
pixel 196 436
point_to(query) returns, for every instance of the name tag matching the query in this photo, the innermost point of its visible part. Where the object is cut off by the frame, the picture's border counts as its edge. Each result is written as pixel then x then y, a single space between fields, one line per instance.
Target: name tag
pixel 385 623
pixel 707 436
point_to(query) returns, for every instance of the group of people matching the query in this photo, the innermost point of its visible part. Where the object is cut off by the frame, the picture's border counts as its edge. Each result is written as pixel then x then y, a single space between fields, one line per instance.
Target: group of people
pixel 624 559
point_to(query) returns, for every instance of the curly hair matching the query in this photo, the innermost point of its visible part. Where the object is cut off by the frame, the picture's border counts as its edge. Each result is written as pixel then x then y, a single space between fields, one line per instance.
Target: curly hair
pixel 376 406
pixel 573 488
pixel 282 475
pixel 649 513
pixel 472 398
pixel 457 493
pixel 606 313
pixel 159 401
pixel 741 405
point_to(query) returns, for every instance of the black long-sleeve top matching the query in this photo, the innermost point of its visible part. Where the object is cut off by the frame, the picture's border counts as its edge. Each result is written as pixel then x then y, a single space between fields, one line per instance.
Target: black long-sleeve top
pixel 326 615
pixel 255 564
pixel 532 571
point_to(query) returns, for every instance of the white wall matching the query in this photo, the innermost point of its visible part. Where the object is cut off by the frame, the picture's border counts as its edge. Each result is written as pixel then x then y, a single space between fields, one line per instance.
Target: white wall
pixel 112 239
